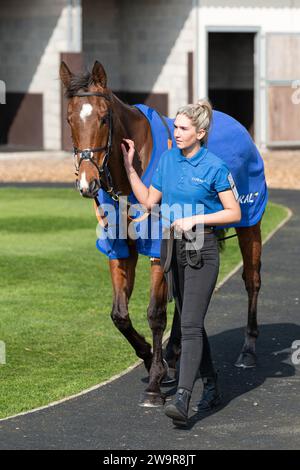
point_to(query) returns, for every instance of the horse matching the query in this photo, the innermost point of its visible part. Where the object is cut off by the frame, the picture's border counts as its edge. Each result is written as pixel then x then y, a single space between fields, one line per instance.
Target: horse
pixel 99 122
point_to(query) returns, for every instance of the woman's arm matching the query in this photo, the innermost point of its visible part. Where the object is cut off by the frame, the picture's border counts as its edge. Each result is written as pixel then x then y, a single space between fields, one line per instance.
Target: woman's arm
pixel 146 196
pixel 229 215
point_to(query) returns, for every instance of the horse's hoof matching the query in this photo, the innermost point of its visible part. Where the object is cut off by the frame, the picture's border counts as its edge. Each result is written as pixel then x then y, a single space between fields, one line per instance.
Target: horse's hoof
pixel 170 375
pixel 246 360
pixel 151 400
pixel 170 378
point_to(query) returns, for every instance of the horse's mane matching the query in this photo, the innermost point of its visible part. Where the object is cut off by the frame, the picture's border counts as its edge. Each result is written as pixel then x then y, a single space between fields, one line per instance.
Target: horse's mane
pixel 79 82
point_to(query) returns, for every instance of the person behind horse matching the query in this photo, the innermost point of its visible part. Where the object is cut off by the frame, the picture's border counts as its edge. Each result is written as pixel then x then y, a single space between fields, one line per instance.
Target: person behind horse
pixel 191 175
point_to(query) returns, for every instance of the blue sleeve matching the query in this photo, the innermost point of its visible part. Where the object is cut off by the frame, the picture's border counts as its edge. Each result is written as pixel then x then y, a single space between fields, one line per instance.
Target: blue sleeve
pixel 157 178
pixel 223 180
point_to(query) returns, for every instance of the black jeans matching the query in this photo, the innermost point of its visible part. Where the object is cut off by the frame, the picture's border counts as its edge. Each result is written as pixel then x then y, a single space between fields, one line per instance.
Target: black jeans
pixel 194 280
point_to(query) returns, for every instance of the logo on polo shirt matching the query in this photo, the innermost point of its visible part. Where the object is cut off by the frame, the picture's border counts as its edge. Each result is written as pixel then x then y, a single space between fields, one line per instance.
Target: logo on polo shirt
pixel 197 180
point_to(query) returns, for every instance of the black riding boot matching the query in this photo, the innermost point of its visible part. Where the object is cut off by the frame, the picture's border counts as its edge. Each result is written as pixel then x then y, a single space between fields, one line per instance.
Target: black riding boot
pixel 211 396
pixel 178 410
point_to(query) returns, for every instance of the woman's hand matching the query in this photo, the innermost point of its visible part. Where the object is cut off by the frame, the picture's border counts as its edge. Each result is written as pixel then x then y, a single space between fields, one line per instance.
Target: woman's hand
pixel 128 154
pixel 184 225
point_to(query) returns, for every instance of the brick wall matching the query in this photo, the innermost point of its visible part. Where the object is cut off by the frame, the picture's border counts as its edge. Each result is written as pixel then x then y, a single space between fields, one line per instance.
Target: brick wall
pixel 32 34
pixel 101 37
pixel 143 45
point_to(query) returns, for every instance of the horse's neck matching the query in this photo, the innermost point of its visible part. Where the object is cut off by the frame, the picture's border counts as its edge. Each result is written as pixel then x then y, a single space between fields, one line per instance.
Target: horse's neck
pixel 130 123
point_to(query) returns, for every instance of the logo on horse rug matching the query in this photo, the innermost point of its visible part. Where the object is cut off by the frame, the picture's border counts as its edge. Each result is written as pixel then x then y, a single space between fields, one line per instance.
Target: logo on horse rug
pixel 231 142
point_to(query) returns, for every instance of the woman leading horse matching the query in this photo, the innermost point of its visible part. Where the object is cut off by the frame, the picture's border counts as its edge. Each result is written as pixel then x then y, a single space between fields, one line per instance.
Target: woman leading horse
pixel 99 122
pixel 186 176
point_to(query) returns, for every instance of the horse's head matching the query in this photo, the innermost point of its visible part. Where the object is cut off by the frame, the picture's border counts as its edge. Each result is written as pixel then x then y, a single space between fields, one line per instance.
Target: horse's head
pixel 90 118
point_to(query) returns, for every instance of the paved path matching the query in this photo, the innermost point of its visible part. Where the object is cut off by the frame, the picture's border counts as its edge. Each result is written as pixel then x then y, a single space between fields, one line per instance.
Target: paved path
pixel 261 407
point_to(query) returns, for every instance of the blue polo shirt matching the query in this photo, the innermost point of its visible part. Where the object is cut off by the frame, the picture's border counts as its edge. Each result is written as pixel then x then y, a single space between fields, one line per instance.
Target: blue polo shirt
pixel 190 185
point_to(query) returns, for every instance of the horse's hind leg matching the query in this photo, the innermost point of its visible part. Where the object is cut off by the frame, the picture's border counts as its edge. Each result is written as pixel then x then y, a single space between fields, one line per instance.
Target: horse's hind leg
pixel 173 348
pixel 157 318
pixel 250 245
pixel 123 274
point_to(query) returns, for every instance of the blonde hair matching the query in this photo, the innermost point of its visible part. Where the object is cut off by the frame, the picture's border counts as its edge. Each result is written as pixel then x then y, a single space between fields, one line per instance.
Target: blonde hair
pixel 200 115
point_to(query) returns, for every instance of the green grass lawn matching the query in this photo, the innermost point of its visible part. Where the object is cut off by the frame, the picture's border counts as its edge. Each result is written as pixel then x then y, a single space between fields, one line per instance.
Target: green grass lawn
pixel 56 297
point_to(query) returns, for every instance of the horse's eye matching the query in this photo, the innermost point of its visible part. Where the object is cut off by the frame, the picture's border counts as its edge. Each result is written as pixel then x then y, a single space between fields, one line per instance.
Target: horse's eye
pixel 104 120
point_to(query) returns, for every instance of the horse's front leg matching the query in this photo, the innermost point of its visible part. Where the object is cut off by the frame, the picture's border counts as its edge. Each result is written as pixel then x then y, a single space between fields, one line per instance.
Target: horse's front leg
pixel 250 245
pixel 123 274
pixel 157 318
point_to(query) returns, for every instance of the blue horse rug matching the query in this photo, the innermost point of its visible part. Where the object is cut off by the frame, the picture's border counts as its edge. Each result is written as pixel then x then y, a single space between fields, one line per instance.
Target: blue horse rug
pixel 231 142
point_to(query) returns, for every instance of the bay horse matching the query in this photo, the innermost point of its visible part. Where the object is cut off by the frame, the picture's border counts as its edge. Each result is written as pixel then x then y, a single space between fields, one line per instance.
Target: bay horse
pixel 99 122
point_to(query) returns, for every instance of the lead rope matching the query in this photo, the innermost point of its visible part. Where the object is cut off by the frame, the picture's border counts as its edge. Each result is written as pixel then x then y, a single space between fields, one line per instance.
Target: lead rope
pixel 167 265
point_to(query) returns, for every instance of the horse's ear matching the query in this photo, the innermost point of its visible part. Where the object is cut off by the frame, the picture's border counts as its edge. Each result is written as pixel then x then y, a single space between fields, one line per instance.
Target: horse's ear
pixel 99 74
pixel 65 74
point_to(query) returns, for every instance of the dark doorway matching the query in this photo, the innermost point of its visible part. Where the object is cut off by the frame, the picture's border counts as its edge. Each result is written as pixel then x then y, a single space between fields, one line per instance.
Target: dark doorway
pixel 231 75
pixel 21 122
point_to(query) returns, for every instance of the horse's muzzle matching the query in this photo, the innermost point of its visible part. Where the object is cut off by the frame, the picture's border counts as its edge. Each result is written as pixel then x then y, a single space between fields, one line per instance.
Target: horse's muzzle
pixel 90 191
